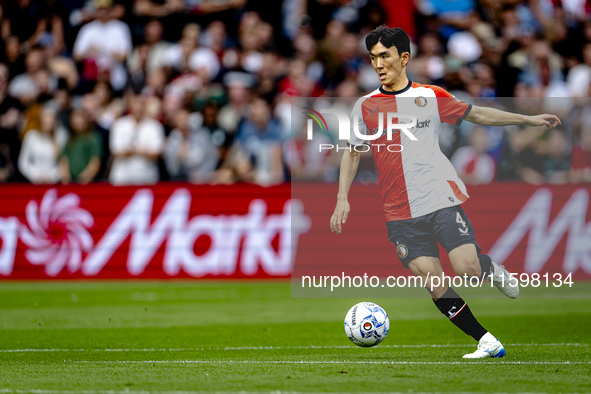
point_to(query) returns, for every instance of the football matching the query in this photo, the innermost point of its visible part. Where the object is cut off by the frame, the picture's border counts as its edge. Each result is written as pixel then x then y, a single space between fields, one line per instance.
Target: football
pixel 366 324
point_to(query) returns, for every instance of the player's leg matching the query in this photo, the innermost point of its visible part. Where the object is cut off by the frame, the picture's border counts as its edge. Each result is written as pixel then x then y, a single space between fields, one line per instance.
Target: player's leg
pixel 449 303
pixel 427 268
pixel 456 234
pixel 417 249
pixel 466 262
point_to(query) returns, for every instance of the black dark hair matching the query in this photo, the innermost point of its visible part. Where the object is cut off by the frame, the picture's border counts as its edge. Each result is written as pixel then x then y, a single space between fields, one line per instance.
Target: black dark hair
pixel 389 37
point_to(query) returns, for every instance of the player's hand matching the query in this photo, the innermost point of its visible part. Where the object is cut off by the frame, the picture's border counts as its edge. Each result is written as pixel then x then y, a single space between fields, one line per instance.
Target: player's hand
pixel 547 120
pixel 339 216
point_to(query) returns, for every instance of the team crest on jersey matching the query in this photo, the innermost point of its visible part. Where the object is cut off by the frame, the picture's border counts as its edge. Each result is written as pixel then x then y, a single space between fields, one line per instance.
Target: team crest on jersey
pixel 402 251
pixel 421 101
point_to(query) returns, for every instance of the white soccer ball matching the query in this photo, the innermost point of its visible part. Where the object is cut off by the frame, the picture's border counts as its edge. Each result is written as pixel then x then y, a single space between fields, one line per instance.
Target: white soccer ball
pixel 367 324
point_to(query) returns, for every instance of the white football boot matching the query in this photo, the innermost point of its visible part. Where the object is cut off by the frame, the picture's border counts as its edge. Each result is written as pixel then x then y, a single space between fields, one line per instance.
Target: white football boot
pixel 503 281
pixel 488 346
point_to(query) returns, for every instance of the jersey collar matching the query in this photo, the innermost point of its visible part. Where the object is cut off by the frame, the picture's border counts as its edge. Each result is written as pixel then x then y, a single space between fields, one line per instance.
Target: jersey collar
pixel 396 91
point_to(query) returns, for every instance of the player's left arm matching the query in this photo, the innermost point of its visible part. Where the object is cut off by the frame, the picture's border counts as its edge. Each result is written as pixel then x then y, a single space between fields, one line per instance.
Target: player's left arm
pixel 495 117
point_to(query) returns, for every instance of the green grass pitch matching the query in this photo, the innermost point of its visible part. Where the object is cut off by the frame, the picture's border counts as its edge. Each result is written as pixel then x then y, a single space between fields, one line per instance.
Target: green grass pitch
pixel 200 336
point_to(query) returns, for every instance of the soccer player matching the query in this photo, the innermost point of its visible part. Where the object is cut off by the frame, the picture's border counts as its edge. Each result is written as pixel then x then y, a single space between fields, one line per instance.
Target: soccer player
pixel 420 189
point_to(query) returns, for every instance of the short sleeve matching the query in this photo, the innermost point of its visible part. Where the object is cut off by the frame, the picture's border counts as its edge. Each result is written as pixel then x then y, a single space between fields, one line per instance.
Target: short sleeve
pixel 451 110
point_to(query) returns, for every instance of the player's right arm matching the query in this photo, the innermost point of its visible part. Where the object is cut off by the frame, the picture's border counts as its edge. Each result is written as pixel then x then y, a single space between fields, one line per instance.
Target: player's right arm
pixel 349 164
pixel 495 117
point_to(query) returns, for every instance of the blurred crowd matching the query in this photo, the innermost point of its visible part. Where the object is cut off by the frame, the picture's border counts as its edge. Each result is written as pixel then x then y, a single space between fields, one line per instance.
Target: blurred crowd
pixel 139 91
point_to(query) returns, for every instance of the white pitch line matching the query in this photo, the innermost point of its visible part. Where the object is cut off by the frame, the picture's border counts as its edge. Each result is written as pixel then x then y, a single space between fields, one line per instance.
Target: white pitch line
pixel 395 346
pixel 36 391
pixel 330 362
pixel 279 348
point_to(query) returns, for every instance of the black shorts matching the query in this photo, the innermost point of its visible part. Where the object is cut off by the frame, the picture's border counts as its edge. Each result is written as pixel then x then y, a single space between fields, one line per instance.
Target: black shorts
pixel 450 227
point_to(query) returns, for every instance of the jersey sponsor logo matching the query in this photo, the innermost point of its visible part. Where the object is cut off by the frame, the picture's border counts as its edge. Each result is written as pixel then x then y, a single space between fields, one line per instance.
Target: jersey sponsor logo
pixel 402 251
pixel 420 125
pixel 375 110
pixel 423 124
pixel 420 101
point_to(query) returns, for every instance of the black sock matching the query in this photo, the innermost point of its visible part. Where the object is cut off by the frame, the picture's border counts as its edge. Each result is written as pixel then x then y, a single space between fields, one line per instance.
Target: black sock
pixel 458 312
pixel 485 266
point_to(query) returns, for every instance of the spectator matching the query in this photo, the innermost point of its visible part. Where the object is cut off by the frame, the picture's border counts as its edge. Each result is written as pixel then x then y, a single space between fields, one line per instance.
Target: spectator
pixel 209 10
pixel 136 143
pixel 216 38
pixel 473 164
pixel 257 150
pixel 304 160
pixel 452 15
pixel 580 161
pixel 429 65
pixel 177 56
pixel 190 154
pixel 103 46
pixel 6 169
pixel 221 139
pixel 136 68
pixel 80 160
pixel 25 87
pixel 27 20
pixel 156 49
pixel 579 76
pixel 38 160
pixel 189 56
pixel 254 37
pixel 103 107
pixel 168 12
pixel 556 165
pixel 530 158
pixel 62 67
pixel 10 110
pixel 13 57
pixel 239 94
pixel 82 51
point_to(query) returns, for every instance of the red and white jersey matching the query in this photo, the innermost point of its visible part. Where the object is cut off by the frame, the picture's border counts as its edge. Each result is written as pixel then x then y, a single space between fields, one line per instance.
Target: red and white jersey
pixel 419 179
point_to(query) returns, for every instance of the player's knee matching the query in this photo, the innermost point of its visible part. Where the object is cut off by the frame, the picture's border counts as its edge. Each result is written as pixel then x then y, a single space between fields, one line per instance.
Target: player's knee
pixel 469 267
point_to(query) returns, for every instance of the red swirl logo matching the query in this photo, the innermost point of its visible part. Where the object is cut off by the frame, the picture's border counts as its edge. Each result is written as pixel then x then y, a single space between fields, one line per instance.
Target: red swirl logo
pixel 57 232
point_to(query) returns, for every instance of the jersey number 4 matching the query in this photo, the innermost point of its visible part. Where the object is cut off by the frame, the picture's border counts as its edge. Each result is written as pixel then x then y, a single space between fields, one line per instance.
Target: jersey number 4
pixel 461 221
